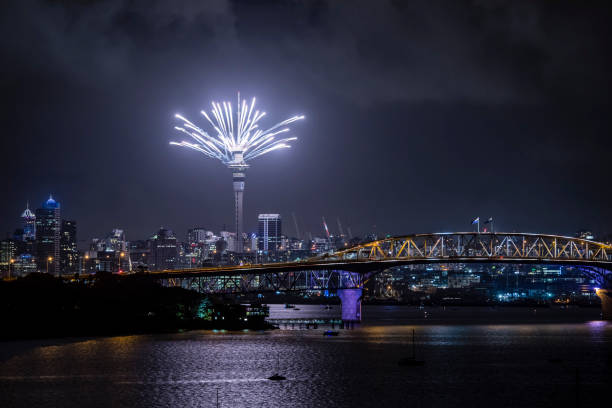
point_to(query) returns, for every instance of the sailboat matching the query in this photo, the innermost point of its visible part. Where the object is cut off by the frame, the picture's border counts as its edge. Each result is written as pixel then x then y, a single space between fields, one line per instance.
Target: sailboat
pixel 277 376
pixel 411 361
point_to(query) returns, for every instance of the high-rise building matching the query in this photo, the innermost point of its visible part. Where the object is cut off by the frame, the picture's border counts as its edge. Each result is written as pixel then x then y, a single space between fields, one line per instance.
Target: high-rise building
pixel 48 237
pixel 69 256
pixel 139 254
pixel 164 252
pixel 269 232
pixel 198 235
pixel 8 254
pixel 28 223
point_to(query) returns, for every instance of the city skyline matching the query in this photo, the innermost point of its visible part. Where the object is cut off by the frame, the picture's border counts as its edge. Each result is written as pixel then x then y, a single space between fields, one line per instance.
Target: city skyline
pixel 430 225
pixel 509 129
pixel 293 232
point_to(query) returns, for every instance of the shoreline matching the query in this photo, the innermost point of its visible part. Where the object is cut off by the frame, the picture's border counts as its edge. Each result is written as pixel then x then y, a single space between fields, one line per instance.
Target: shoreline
pixel 374 315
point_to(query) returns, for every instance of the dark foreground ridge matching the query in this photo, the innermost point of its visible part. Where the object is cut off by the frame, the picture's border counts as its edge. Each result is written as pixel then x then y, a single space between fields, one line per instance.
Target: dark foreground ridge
pixel 41 306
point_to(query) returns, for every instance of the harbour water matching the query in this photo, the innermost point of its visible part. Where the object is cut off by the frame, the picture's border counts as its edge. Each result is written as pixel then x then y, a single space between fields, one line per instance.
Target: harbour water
pixel 474 357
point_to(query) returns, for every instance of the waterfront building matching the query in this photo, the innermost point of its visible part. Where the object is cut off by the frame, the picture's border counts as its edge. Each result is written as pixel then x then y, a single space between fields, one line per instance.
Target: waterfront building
pixel 269 232
pixel 48 229
pixel 459 280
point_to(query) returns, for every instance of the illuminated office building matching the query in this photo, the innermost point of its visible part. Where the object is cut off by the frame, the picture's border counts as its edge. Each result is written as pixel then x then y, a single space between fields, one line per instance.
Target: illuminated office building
pixel 48 237
pixel 269 232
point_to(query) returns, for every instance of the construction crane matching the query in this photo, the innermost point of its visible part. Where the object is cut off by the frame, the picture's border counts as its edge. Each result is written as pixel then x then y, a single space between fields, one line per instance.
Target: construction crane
pixel 297 229
pixel 340 227
pixel 326 229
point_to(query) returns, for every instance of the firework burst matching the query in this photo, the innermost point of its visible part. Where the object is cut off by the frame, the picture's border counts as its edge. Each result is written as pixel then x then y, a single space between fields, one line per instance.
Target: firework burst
pixel 237 137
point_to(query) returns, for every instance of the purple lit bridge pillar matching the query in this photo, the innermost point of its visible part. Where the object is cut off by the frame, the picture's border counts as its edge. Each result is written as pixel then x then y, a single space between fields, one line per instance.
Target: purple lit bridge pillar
pixel 351 304
pixel 603 279
pixel 350 292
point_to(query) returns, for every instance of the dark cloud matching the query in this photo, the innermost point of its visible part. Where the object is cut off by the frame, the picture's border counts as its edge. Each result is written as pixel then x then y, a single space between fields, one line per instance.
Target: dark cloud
pixel 419 114
pixel 500 51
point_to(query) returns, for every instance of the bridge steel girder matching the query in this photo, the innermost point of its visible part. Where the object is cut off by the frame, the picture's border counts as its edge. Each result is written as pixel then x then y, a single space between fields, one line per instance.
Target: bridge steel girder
pixel 513 245
pixel 458 247
pixel 270 282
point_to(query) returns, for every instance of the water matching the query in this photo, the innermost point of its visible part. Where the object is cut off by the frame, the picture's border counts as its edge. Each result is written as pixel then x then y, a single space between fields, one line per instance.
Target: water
pixel 474 357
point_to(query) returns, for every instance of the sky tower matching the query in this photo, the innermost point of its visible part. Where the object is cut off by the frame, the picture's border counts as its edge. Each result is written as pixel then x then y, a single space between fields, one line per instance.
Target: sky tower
pixel 238 177
pixel 236 139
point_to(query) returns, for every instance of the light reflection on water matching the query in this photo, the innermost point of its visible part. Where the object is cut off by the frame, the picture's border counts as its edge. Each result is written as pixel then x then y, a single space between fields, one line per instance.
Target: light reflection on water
pixel 524 360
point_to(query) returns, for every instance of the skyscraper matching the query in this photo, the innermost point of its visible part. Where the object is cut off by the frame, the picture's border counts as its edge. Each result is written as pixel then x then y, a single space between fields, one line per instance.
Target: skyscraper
pixel 8 253
pixel 48 237
pixel 269 232
pixel 164 251
pixel 28 222
pixel 69 256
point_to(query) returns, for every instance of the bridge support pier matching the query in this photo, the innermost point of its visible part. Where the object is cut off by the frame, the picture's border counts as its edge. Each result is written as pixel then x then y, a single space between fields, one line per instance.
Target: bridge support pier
pixel 606 303
pixel 351 304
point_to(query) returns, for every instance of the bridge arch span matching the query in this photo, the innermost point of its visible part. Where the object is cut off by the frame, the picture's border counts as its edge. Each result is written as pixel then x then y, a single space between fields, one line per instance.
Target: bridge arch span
pixel 353 266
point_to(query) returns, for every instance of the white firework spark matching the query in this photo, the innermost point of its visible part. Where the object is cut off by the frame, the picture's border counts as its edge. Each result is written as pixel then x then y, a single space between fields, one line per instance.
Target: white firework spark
pixel 237 137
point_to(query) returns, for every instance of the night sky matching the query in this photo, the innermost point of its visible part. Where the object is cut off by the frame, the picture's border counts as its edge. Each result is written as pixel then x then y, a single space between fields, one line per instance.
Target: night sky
pixel 420 115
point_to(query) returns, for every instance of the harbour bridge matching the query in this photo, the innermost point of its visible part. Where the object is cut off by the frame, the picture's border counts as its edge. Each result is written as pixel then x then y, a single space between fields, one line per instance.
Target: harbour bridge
pixel 347 270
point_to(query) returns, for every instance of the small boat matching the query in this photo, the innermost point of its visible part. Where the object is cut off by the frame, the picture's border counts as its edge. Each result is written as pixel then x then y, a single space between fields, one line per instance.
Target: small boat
pixel 411 361
pixel 330 333
pixel 277 376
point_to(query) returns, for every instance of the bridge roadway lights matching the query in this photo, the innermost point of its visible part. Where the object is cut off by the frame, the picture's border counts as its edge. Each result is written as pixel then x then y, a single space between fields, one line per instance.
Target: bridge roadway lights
pixel 351 304
pixel 606 303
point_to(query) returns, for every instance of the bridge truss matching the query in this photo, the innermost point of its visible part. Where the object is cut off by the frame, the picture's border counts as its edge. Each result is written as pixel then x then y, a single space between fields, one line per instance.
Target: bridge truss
pixel 313 280
pixel 519 246
pixel 352 267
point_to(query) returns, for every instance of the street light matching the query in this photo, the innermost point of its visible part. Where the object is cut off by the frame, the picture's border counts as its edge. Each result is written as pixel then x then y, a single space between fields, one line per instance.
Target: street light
pixel 85 258
pixel 121 255
pixel 49 259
